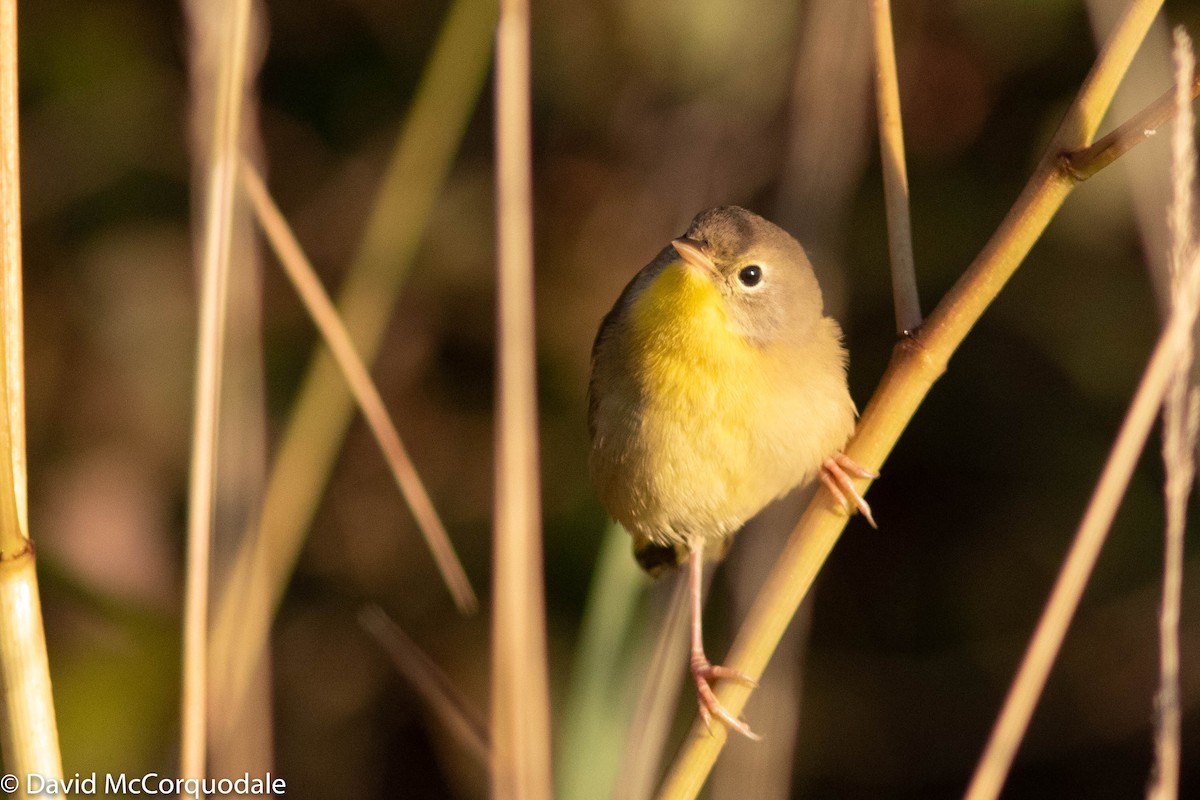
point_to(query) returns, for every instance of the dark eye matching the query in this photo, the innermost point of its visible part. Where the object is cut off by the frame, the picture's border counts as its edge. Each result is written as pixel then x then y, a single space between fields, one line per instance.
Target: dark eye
pixel 751 275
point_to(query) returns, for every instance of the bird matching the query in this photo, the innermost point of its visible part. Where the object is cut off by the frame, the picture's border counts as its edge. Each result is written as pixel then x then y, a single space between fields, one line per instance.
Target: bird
pixel 718 385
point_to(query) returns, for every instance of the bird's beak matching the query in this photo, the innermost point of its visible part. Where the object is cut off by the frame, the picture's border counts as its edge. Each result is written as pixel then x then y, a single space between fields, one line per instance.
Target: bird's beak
pixel 695 255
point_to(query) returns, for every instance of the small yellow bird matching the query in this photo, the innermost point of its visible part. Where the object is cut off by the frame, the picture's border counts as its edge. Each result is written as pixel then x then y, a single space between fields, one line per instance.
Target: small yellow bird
pixel 718 385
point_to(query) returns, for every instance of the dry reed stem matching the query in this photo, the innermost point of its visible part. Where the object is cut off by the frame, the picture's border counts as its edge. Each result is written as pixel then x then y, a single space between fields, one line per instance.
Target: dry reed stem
pixel 464 723
pixel 1180 222
pixel 520 720
pixel 1180 415
pixel 1064 598
pixel 14 534
pixel 916 364
pixel 299 270
pixel 895 173
pixel 30 731
pixel 418 168
pixel 240 736
pixel 1171 354
pixel 28 727
pixel 222 167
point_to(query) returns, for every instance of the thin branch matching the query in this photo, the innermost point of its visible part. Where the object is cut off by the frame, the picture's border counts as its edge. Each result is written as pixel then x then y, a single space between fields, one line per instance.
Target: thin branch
pixel 520 686
pixel 1086 162
pixel 895 173
pixel 916 364
pixel 299 270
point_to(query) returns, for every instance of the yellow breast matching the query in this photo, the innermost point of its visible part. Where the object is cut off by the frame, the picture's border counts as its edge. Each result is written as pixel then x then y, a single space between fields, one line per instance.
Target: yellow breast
pixel 697 377
pixel 696 428
pixel 701 455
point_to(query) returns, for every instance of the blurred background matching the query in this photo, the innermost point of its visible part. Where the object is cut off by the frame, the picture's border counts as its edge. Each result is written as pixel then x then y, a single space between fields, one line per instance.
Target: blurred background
pixel 644 114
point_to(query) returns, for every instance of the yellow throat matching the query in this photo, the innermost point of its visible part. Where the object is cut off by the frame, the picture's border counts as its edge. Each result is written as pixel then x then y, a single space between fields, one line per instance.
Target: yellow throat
pixel 681 334
pixel 701 383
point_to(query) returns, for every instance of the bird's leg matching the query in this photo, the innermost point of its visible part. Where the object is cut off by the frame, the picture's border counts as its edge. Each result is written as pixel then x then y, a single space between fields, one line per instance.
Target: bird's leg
pixel 704 671
pixel 835 474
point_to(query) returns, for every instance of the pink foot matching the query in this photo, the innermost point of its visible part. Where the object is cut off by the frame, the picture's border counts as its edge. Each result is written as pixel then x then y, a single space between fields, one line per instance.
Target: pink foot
pixel 835 474
pixel 704 673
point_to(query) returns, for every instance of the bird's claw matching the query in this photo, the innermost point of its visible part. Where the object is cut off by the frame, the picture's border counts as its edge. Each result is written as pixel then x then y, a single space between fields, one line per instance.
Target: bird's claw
pixel 704 673
pixel 835 474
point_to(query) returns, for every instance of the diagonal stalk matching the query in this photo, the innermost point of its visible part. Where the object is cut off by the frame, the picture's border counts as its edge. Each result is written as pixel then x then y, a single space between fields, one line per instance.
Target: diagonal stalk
pixel 418 169
pixel 333 331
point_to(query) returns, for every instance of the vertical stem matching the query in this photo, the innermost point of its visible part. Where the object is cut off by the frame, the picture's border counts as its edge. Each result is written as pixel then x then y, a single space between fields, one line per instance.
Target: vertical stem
pixel 1179 427
pixel 895 173
pixel 28 728
pixel 218 213
pixel 520 697
pixel 13 525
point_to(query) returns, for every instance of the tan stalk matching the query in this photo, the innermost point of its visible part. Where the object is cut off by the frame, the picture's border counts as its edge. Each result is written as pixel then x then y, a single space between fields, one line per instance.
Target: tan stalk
pixel 1064 598
pixel 237 738
pixel 222 168
pixel 299 270
pixel 28 728
pixel 895 173
pixel 447 704
pixel 916 364
pixel 520 718
pixel 418 169
pixel 1179 428
pixel 1171 355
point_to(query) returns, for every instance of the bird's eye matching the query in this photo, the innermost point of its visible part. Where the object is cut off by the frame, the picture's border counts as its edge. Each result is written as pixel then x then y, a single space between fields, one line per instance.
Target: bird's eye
pixel 751 275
